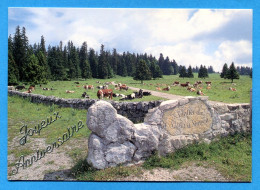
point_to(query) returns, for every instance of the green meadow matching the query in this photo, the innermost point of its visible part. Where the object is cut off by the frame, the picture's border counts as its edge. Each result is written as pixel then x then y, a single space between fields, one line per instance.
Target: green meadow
pixel 219 89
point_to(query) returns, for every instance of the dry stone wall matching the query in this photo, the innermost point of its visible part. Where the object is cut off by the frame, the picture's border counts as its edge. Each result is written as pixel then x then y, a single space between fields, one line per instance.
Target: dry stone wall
pixel 172 125
pixel 135 111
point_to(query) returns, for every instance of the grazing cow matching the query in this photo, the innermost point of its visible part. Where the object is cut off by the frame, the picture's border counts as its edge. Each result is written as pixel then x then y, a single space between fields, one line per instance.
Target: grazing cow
pixel 129 97
pixel 176 83
pixel 122 95
pixel 184 85
pixel 140 93
pixel 199 92
pixel 11 88
pixel 191 89
pixel 69 91
pixel 167 89
pixel 76 82
pixel 158 88
pixel 208 82
pixel 108 83
pixel 147 93
pixel 21 87
pixel 115 95
pixel 105 93
pixel 28 91
pixel 199 82
pixel 195 85
pixel 124 87
pixel 98 82
pixel 46 88
pixel 88 87
pixel 232 89
pixel 84 95
pixel 32 87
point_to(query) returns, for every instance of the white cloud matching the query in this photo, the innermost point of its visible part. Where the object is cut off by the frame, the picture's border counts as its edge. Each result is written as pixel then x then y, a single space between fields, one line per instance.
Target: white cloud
pixel 191 37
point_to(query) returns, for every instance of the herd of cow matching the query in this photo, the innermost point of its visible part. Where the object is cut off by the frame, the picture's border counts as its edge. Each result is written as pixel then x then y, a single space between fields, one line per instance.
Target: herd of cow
pixel 196 87
pixel 104 91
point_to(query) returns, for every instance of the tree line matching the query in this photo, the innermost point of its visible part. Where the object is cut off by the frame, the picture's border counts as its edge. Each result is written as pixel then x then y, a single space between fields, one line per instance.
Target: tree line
pixel 36 64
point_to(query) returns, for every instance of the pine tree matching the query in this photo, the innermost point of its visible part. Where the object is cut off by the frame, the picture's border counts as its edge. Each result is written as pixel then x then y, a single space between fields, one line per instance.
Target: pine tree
pixel 33 71
pixel 232 72
pixel 155 70
pixel 13 72
pixel 142 72
pixel 42 46
pixel 93 63
pixel 161 61
pixel 57 69
pixel 86 72
pixel 19 51
pixel 190 74
pixel 182 71
pixel 42 61
pixel 115 61
pixel 200 74
pixel 224 71
pixel 102 64
pixel 203 72
pixel 83 63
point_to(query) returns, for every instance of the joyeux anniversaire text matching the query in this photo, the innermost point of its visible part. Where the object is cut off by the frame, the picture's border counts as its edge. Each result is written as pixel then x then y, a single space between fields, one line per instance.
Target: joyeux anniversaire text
pixel 26 162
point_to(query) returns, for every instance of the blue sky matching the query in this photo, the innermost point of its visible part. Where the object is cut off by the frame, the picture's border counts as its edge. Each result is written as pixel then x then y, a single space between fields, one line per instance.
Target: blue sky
pixel 190 36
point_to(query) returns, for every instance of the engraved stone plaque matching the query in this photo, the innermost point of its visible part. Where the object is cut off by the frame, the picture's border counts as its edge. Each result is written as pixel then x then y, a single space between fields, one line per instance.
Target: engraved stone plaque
pixel 191 118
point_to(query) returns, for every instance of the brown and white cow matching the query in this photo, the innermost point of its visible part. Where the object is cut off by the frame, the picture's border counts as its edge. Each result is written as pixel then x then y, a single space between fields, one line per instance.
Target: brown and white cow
pixel 232 89
pixel 184 85
pixel 124 87
pixel 199 92
pixel 69 91
pixel 105 93
pixel 88 87
pixel 167 88
pixel 32 87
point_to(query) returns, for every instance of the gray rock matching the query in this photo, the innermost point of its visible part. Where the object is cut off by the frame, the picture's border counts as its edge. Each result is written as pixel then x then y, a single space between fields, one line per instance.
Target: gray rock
pixel 154 117
pixel 96 155
pixel 227 116
pixel 146 139
pixel 100 116
pixel 120 153
pixel 168 104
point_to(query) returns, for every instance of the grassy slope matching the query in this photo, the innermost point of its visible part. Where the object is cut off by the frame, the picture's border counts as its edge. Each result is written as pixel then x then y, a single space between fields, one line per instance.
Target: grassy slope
pixel 219 91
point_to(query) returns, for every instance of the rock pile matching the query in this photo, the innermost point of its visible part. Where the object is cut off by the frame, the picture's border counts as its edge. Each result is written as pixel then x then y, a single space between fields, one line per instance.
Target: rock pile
pixel 172 125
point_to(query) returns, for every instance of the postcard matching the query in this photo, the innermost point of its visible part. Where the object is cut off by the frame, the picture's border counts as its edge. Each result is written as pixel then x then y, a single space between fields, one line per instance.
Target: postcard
pixel 124 94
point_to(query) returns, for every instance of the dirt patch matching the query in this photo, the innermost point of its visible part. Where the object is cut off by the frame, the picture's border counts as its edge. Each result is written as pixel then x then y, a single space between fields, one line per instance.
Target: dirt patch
pixel 189 173
pixel 53 166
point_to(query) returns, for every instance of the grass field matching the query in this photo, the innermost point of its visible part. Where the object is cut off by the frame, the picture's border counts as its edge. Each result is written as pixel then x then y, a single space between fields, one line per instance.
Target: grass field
pixel 230 156
pixel 219 90
pixel 22 111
